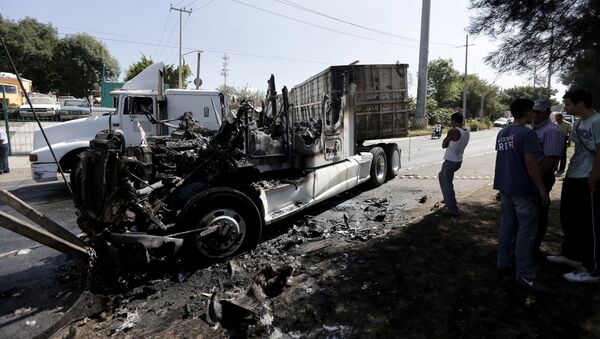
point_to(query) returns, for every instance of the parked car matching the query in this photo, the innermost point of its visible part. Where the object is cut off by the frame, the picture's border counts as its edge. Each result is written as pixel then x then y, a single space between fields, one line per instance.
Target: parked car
pixel 569 118
pixel 44 105
pixel 501 122
pixel 74 109
pixel 566 117
pixel 61 99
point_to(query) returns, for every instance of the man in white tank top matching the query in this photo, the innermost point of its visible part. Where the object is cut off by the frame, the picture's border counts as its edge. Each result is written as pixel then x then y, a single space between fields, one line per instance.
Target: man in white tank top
pixel 455 143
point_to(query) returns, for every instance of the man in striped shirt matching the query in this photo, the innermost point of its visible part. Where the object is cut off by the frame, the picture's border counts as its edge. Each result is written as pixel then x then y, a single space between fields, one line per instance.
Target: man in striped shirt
pixel 552 140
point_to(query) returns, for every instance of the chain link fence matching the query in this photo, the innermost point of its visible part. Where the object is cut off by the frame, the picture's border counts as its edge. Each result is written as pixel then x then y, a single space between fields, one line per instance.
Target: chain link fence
pixel 20 130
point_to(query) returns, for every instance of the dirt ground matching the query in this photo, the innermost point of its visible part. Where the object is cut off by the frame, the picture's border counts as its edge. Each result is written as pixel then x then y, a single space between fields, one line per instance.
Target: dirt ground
pixel 362 273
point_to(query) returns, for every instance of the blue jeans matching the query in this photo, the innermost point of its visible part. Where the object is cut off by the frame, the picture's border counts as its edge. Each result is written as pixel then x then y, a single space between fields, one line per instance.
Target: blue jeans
pixel 4 158
pixel 519 214
pixel 446 176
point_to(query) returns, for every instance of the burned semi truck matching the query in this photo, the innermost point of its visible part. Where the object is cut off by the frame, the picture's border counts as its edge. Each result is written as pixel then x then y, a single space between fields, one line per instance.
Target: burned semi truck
pixel 215 191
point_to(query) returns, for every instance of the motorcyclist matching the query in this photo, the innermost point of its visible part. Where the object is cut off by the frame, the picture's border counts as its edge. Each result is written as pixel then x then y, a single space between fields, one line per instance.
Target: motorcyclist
pixel 437 130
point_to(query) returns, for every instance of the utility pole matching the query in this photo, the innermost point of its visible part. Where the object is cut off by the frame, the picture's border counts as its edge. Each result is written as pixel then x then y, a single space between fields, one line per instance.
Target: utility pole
pixel 423 60
pixel 465 84
pixel 550 61
pixel 225 70
pixel 481 108
pixel 534 79
pixel 466 46
pixel 181 11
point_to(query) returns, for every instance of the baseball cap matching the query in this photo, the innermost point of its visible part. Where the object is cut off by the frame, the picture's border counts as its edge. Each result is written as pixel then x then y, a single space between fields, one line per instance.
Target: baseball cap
pixel 541 105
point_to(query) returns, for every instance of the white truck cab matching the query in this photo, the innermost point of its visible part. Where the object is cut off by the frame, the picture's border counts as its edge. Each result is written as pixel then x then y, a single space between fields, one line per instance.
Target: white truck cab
pixel 142 103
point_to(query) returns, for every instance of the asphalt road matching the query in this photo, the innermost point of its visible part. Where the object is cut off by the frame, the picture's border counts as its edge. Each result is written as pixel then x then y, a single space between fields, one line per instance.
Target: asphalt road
pixel 31 298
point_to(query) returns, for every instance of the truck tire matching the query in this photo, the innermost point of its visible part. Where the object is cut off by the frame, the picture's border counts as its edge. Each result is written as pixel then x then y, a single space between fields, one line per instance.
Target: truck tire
pixel 227 220
pixel 392 153
pixel 378 167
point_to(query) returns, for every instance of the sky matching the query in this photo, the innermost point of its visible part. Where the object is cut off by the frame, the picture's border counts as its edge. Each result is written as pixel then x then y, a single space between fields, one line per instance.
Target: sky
pixel 292 39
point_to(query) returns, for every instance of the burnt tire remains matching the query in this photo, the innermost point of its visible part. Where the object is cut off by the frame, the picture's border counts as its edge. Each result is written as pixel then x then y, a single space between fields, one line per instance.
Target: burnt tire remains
pixel 226 222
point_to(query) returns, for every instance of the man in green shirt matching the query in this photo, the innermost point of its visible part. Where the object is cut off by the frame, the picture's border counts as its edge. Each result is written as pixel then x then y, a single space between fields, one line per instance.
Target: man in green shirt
pixel 566 127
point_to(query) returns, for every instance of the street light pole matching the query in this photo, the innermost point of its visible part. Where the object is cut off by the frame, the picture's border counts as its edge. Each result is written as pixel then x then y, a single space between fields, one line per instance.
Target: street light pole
pixel 198 81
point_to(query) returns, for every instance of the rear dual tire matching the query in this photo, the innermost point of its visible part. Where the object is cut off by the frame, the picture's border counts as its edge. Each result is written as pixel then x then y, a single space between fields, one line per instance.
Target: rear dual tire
pixel 385 164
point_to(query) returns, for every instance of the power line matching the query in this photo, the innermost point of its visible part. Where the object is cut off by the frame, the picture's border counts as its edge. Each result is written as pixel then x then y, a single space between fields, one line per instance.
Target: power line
pixel 169 38
pixel 304 8
pixel 310 10
pixel 163 30
pixel 202 6
pixel 214 50
pixel 322 27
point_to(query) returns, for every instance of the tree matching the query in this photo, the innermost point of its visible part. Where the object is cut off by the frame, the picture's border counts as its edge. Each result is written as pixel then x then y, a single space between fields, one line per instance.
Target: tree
pixel 226 90
pixel 170 73
pixel 532 33
pixel 137 67
pixel 243 93
pixel 510 94
pixel 31 45
pixel 247 93
pixel 478 91
pixel 79 62
pixel 443 82
pixel 584 74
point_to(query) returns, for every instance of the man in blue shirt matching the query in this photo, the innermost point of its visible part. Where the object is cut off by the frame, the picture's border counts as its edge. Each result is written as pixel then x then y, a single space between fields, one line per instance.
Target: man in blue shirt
pixel 518 178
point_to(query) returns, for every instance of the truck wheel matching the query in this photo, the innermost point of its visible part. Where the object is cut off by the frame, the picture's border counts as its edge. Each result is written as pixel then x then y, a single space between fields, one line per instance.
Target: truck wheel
pixel 392 154
pixel 228 223
pixel 378 167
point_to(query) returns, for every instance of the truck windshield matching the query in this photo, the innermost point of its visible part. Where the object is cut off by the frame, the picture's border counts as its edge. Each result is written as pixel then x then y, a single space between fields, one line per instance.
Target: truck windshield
pixel 138 105
pixel 8 89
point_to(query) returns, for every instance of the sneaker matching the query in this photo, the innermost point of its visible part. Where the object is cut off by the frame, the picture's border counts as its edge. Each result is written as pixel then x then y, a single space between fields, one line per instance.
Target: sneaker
pixel 535 285
pixel 582 277
pixel 450 213
pixel 560 259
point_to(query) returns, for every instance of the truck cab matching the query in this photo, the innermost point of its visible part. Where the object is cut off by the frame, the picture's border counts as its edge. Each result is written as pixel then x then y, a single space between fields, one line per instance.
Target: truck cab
pixel 142 106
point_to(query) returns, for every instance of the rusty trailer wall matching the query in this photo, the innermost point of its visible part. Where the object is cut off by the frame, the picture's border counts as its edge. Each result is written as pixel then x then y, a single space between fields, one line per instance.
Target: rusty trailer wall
pixel 380 105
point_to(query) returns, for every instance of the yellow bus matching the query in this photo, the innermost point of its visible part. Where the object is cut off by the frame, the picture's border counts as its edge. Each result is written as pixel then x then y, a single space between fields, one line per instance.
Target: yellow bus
pixel 12 91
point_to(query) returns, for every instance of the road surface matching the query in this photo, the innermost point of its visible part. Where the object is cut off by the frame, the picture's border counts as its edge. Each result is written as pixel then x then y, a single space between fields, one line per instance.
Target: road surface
pixel 31 298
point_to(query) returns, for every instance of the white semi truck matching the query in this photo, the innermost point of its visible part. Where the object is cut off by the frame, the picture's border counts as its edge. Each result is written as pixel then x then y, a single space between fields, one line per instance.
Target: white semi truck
pixel 141 103
pixel 217 191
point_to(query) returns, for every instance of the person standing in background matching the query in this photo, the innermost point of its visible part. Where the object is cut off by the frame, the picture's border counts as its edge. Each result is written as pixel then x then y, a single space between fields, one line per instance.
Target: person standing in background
pixel 552 141
pixel 455 143
pixel 566 127
pixel 3 152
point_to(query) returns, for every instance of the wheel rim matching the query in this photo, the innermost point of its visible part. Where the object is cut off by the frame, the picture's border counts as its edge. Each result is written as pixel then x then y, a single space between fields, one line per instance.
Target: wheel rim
pixel 395 161
pixel 380 168
pixel 229 231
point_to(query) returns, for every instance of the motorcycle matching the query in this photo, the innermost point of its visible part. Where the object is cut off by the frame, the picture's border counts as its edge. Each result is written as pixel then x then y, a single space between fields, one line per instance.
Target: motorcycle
pixel 436 132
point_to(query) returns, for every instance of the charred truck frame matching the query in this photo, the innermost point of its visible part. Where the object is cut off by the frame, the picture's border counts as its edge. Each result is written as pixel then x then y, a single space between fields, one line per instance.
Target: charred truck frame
pixel 215 191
